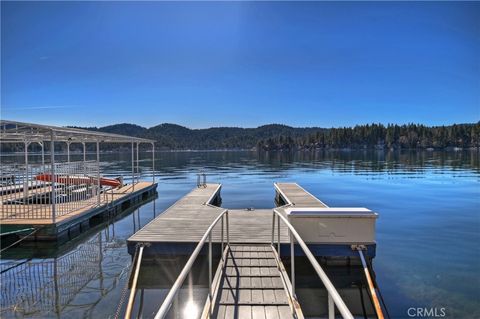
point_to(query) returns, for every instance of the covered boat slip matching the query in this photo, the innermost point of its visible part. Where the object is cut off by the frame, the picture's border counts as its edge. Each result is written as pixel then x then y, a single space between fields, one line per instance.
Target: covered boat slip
pixel 77 220
pixel 44 189
pixel 178 230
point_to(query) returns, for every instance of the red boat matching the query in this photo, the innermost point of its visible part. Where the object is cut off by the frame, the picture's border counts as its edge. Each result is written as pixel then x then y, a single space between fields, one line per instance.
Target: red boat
pixel 78 180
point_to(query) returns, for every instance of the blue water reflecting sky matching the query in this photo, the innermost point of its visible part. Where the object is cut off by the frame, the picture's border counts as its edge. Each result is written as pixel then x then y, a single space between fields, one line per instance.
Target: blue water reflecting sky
pixel 427 233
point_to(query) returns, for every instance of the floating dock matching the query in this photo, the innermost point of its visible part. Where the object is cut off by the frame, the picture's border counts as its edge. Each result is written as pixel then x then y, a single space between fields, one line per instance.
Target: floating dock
pixel 66 226
pixel 179 229
pixel 251 280
pixel 181 226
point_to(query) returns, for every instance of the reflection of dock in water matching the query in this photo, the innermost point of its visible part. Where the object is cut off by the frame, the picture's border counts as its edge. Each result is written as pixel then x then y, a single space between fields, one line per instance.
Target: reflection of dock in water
pixel 53 281
pixel 44 285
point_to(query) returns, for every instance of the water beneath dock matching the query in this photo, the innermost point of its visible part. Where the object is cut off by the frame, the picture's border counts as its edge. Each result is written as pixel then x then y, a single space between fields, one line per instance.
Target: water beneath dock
pixel 428 204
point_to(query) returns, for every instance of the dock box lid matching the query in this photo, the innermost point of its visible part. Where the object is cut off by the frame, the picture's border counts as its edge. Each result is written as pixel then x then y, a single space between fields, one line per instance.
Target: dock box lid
pixel 330 212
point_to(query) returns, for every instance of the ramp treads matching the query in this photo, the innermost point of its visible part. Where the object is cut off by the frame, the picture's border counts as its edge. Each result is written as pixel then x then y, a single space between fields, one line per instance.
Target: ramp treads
pixel 251 285
pixel 254 312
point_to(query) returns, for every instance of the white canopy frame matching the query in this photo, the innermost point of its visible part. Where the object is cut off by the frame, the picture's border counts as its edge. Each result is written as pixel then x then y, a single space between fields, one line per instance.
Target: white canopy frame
pixel 13 132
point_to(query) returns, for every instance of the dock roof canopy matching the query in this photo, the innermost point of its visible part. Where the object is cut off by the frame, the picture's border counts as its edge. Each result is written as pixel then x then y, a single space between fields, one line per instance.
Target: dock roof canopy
pixel 18 132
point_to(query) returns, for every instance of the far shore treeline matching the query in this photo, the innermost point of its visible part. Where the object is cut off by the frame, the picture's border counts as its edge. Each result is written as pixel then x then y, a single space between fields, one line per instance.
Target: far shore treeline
pixel 282 137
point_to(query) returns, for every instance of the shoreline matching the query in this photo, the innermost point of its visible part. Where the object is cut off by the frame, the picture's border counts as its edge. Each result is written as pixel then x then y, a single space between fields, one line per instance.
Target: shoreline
pixel 346 149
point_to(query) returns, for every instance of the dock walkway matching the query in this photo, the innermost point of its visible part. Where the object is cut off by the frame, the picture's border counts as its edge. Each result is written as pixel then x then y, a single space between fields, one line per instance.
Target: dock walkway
pixel 294 194
pixel 187 220
pixel 251 285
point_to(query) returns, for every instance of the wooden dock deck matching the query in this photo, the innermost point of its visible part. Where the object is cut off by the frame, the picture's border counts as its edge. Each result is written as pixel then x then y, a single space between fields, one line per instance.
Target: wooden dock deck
pixel 118 200
pixel 187 220
pixel 178 230
pixel 294 194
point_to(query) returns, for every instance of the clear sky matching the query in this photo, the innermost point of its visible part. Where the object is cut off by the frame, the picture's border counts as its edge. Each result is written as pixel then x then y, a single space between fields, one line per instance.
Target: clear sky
pixel 240 63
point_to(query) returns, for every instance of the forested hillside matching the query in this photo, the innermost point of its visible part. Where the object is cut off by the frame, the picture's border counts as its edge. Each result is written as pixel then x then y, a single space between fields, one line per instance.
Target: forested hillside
pixel 410 136
pixel 282 137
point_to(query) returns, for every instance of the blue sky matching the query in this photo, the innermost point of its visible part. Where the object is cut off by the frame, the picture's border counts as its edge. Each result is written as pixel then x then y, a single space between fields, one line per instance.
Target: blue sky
pixel 240 63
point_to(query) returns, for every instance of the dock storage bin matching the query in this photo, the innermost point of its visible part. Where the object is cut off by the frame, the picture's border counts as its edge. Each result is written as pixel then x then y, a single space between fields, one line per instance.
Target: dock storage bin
pixel 339 225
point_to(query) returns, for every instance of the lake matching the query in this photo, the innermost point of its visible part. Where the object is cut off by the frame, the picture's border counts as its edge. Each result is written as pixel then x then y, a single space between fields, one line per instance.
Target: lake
pixel 427 232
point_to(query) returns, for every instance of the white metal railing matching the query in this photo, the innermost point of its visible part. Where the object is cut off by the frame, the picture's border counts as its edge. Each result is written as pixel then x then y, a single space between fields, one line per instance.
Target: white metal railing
pixel 22 196
pixel 46 191
pixel 165 307
pixel 334 298
pixel 77 186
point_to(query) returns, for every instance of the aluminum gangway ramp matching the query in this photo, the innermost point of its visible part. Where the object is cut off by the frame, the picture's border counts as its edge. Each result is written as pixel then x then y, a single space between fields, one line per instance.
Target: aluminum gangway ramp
pixel 252 285
pixel 250 281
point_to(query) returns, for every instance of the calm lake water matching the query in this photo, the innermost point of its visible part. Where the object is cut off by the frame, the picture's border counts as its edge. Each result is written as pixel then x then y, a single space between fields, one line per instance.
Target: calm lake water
pixel 427 234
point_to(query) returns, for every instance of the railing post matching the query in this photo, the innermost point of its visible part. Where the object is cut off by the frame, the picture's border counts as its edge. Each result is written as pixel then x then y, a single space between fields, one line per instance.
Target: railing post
pixel 331 307
pixel 43 156
pixel 273 227
pixel 25 178
pixel 222 238
pixel 228 230
pixel 292 261
pixel 84 159
pixel 98 173
pixel 133 166
pixel 153 162
pixel 137 175
pixel 68 152
pixel 278 236
pixel 210 271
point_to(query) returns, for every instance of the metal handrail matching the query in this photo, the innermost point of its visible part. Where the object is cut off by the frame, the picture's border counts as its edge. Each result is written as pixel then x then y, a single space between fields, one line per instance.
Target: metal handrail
pixel 165 307
pixel 332 292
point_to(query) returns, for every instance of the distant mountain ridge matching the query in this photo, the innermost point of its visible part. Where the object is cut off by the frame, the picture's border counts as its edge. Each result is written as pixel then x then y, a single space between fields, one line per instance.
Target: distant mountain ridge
pixel 173 136
pixel 279 136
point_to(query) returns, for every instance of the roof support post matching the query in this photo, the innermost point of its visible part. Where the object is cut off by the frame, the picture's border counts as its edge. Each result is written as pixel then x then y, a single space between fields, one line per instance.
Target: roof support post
pixel 43 154
pixel 98 173
pixel 84 159
pixel 52 163
pixel 153 162
pixel 68 152
pixel 138 171
pixel 133 166
pixel 25 178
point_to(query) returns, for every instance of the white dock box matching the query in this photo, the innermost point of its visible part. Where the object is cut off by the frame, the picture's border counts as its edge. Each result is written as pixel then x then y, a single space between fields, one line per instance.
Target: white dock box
pixel 339 225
